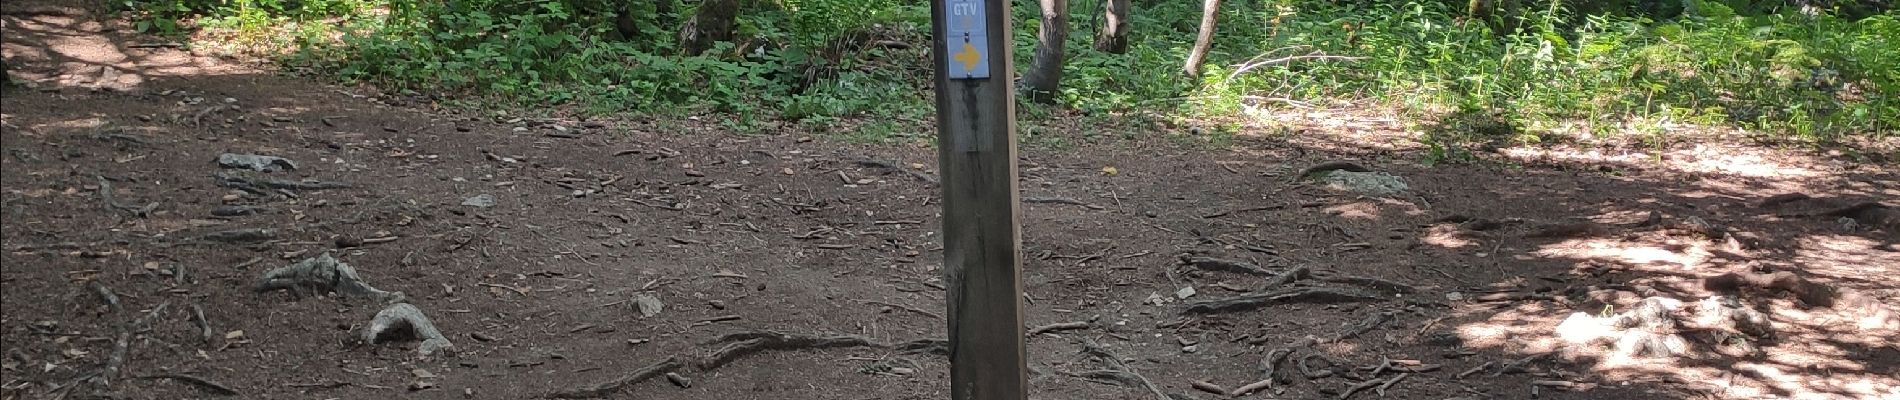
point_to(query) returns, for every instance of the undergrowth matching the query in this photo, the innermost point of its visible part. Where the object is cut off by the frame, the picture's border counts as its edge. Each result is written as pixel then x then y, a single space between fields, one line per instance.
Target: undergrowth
pixel 1539 71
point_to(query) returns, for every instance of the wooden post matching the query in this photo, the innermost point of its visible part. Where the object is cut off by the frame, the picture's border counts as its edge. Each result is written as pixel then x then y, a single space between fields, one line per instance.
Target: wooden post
pixel 976 152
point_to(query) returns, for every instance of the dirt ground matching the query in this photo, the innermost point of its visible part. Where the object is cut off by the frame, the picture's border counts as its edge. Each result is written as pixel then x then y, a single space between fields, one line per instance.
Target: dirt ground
pixel 541 292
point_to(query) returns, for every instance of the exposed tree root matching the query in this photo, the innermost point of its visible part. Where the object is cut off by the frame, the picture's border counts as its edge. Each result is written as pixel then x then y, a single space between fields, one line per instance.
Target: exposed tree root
pixel 614 386
pixel 1226 265
pixel 1120 370
pixel 122 340
pixel 1298 295
pixel 925 346
pixel 207 384
pixel 744 343
pixel 324 273
pixel 1060 326
pixel 400 316
pixel 1329 166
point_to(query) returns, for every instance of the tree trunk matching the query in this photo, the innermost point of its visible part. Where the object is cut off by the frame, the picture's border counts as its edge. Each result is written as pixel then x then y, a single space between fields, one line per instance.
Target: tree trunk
pixel 1113 38
pixel 712 24
pixel 1202 41
pixel 1045 72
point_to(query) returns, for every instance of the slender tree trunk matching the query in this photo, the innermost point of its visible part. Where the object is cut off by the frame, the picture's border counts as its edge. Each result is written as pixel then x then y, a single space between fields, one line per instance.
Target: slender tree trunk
pixel 712 24
pixel 1113 38
pixel 1202 41
pixel 1045 72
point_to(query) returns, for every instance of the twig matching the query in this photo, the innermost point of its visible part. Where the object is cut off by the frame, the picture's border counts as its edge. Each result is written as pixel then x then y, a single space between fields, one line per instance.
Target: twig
pixel 613 386
pixel 1060 326
pixel 204 325
pixel 1209 387
pixel 1371 322
pixel 1282 60
pixel 744 343
pixel 1388 384
pixel 207 384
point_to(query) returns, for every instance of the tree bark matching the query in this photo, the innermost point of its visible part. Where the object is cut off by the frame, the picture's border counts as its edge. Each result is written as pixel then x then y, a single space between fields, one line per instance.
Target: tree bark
pixel 712 24
pixel 1113 37
pixel 1203 40
pixel 1045 72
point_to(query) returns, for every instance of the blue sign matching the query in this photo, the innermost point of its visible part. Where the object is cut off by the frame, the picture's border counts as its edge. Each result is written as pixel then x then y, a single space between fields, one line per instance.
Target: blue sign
pixel 968 41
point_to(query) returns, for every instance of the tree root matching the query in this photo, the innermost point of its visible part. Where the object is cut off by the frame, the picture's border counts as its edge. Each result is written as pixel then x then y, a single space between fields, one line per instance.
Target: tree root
pixel 1329 166
pixel 121 341
pixel 105 193
pixel 1060 326
pixel 744 343
pixel 1119 369
pixel 1299 295
pixel 404 315
pixel 1226 265
pixel 207 384
pixel 324 273
pixel 1381 285
pixel 263 186
pixel 1310 372
pixel 1371 322
pixel 204 325
pixel 925 346
pixel 610 387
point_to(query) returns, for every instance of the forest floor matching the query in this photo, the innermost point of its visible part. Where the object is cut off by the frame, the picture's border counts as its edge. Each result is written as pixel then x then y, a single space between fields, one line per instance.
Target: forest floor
pixel 558 254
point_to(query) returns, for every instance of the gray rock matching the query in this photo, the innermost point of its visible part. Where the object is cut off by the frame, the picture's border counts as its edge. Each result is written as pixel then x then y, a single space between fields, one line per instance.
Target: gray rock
pixel 480 201
pixel 255 162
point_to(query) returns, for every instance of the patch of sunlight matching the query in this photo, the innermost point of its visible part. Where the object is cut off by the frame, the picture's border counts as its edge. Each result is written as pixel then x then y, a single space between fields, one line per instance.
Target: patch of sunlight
pixel 1741 162
pixel 1360 210
pixel 1447 236
pixel 79 123
pixel 1612 250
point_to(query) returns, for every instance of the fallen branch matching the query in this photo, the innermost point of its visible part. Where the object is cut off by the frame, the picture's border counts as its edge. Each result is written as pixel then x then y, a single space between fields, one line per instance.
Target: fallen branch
pixel 1209 387
pixel 1250 65
pixel 925 346
pixel 900 168
pixel 1226 265
pixel 324 273
pixel 1475 370
pixel 1300 295
pixel 1388 384
pixel 610 387
pixel 1388 287
pixel 1060 326
pixel 744 343
pixel 398 316
pixel 1058 200
pixel 207 384
pixel 259 185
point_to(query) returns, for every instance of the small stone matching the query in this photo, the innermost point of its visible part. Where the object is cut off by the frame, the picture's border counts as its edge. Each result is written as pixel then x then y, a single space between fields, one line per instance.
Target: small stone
pixel 480 201
pixel 344 242
pixel 716 304
pixel 903 371
pixel 1190 348
pixel 1184 293
pixel 421 385
pixel 520 129
pixel 1455 296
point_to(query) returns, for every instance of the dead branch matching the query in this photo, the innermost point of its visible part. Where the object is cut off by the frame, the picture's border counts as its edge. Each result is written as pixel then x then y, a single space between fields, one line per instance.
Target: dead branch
pixel 1388 383
pixel 1256 62
pixel 1060 326
pixel 744 343
pixel 207 384
pixel 1209 387
pixel 398 316
pixel 262 186
pixel 1058 200
pixel 1225 265
pixel 242 235
pixel 1115 364
pixel 1298 295
pixel 610 387
pixel 1475 370
pixel 900 168
pixel 324 273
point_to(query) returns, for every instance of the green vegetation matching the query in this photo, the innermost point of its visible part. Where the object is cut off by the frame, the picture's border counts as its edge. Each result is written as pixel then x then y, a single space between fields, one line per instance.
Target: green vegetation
pixel 1514 72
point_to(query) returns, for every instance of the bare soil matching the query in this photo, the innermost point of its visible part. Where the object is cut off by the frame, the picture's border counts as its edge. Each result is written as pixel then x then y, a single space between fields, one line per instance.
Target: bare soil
pixel 540 293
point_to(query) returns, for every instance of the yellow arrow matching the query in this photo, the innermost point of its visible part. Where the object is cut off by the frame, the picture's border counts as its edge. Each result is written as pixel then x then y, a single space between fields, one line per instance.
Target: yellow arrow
pixel 968 56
